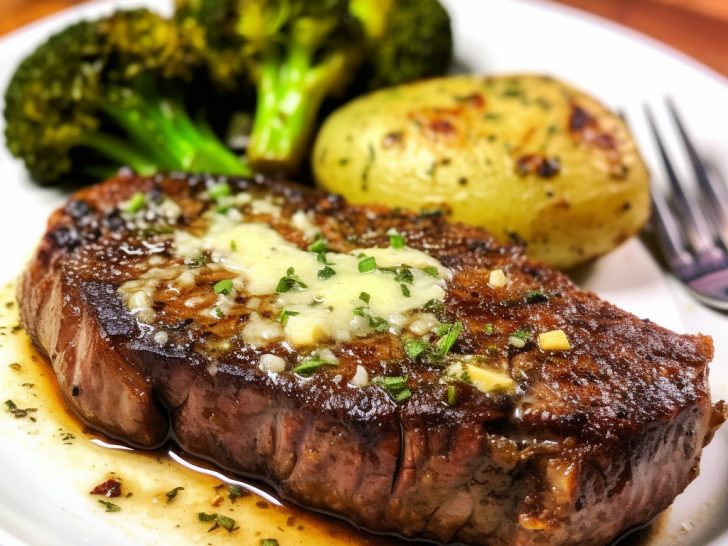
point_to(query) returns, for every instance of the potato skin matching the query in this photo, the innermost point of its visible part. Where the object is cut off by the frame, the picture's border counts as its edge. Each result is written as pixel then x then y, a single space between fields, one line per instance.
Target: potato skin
pixel 527 157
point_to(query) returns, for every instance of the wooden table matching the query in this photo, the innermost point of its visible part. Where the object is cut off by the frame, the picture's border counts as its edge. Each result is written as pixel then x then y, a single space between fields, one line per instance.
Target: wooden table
pixel 697 27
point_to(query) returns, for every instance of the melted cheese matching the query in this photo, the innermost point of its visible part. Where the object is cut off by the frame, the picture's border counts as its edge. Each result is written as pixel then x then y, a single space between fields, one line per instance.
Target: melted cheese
pixel 325 308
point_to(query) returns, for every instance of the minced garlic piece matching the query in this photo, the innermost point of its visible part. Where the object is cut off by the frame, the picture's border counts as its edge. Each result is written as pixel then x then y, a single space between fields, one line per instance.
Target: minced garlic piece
pixel 271 363
pixel 497 279
pixel 555 340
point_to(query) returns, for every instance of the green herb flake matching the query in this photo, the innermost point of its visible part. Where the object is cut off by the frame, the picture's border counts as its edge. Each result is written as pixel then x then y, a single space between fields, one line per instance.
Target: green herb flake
pixel 223 287
pixel 233 245
pixel 365 297
pixel 415 347
pixel 377 323
pixel 220 520
pixel 218 312
pixel 236 492
pixel 172 494
pixel 395 239
pixel 67 437
pixel 449 334
pixel 318 246
pixel 433 306
pixel 432 271
pixel 536 296
pixel 290 282
pixel 489 329
pixel 367 264
pixel 395 386
pixel 325 273
pixel 519 338
pixel 268 542
pixel 136 203
pixel 405 290
pixel 451 395
pixel 285 314
pixel 218 191
pixel 405 275
pixel 15 366
pixel 19 412
pixel 110 506
pixel 310 365
pixel 196 262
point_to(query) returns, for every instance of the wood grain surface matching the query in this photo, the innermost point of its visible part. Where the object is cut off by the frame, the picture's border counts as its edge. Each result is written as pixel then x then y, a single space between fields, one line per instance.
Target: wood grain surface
pixel 696 27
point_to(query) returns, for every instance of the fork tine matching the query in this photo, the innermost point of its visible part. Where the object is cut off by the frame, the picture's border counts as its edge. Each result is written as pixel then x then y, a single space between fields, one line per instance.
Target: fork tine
pixel 668 233
pixel 699 235
pixel 715 194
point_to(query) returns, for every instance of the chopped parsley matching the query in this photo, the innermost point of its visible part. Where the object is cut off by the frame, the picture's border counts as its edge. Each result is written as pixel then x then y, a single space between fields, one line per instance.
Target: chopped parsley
pixel 196 262
pixel 415 347
pixel 218 191
pixel 536 296
pixel 290 282
pixel 218 312
pixel 268 542
pixel 19 412
pixel 395 239
pixel 15 366
pixel 448 336
pixel 136 203
pixel 283 317
pixel 432 271
pixel 326 273
pixel 365 297
pixel 402 273
pixel 367 264
pixel 405 290
pixel 172 494
pixel 236 492
pixel 318 246
pixel 395 386
pixel 519 338
pixel 377 323
pixel 220 520
pixel 489 329
pixel 311 365
pixel 433 306
pixel 110 506
pixel 451 395
pixel 223 287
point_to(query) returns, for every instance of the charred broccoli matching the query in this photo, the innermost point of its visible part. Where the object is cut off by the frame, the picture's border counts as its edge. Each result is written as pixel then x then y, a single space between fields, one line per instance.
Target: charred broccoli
pixel 300 52
pixel 109 93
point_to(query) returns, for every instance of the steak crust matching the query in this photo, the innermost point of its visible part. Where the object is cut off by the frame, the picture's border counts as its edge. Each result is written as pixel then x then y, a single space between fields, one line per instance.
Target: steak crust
pixel 594 441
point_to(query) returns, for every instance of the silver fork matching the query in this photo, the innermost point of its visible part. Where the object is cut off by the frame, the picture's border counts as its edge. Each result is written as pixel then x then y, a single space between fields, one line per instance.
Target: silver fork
pixel 692 230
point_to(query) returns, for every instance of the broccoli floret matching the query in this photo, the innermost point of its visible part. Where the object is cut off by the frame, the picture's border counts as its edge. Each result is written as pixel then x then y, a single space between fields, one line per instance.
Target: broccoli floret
pixel 409 40
pixel 301 52
pixel 105 94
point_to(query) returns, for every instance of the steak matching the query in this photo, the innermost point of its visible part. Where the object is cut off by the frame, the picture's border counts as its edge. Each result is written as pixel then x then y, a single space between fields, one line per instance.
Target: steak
pixel 456 421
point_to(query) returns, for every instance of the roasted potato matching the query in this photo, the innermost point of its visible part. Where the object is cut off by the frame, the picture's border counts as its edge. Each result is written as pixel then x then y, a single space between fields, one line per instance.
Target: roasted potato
pixel 528 158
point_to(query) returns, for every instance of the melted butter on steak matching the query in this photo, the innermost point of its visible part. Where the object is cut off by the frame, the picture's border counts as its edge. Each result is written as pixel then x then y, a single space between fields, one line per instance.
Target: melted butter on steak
pixel 303 297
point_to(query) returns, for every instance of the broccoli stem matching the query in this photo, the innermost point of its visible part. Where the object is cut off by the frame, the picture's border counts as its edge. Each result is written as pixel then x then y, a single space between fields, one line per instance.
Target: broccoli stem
pixel 120 151
pixel 290 93
pixel 161 130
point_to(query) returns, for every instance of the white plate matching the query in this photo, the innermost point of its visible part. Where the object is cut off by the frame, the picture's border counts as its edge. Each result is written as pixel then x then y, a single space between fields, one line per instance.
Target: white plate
pixel 621 67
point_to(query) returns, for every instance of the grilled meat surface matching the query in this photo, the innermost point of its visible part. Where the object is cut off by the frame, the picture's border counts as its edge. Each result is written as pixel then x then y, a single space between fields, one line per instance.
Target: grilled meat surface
pixel 590 442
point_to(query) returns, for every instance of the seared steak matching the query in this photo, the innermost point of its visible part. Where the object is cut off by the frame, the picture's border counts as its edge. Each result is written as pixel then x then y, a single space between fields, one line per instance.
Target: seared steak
pixel 457 420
